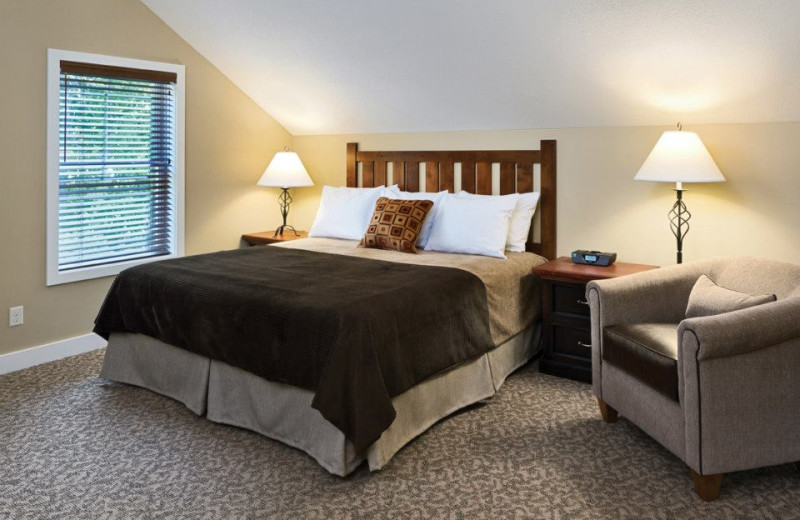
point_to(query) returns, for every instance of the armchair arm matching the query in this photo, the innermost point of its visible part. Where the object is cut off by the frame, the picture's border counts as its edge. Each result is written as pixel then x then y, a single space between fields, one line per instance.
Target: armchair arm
pixel 743 331
pixel 739 389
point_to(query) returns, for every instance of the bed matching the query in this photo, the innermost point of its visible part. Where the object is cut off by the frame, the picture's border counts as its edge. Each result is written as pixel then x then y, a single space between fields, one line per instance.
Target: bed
pixel 383 392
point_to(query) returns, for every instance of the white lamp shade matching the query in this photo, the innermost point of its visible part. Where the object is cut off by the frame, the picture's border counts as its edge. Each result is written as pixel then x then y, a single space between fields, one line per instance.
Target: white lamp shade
pixel 679 156
pixel 285 170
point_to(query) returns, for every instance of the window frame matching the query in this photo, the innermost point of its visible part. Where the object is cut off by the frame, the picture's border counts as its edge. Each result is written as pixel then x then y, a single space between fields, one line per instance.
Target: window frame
pixel 54 58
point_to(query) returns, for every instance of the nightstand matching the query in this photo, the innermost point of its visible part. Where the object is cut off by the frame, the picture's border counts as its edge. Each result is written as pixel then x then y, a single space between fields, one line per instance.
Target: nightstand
pixel 566 326
pixel 269 237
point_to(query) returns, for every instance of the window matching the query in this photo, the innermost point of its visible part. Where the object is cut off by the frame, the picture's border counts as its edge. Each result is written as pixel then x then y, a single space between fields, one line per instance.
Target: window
pixel 115 164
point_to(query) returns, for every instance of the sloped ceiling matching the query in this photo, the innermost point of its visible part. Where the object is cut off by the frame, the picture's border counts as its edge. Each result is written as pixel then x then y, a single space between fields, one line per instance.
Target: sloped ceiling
pixel 369 66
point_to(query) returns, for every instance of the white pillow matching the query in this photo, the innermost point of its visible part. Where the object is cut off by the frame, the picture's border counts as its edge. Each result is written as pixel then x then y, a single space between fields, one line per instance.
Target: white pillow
pixel 521 218
pixel 344 212
pixel 394 193
pixel 472 226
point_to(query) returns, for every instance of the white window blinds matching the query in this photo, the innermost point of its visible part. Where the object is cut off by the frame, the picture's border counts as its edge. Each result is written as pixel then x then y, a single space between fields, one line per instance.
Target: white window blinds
pixel 115 165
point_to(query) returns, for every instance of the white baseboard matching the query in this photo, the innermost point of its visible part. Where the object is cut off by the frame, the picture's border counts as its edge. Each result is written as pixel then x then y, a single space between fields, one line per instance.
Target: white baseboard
pixel 50 352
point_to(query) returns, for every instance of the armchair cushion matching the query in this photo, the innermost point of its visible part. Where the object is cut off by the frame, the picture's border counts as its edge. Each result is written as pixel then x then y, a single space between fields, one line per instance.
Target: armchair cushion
pixel 646 351
pixel 709 299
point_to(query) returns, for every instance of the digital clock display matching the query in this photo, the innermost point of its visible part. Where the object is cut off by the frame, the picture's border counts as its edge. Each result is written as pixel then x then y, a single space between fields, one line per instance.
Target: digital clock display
pixel 590 258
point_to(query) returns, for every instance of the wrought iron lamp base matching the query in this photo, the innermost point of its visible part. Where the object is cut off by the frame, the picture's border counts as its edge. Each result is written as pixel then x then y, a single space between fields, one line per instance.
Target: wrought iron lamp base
pixel 679 221
pixel 285 200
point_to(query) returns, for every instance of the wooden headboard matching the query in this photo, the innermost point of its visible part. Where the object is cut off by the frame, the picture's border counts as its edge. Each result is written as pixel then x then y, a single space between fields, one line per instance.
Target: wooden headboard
pixel 516 175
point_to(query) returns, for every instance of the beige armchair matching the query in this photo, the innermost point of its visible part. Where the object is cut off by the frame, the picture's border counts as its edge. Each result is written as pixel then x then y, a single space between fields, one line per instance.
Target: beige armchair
pixel 721 392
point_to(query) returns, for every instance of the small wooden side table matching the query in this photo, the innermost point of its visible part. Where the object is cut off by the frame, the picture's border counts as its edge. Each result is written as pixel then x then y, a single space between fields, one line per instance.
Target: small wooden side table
pixel 269 237
pixel 566 324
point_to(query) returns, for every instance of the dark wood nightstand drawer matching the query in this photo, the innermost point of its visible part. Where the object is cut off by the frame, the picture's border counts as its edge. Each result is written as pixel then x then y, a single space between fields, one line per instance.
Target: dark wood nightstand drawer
pixel 572 342
pixel 570 299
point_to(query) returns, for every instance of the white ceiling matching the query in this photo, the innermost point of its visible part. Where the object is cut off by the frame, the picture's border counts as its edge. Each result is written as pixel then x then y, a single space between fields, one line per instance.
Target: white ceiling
pixel 368 66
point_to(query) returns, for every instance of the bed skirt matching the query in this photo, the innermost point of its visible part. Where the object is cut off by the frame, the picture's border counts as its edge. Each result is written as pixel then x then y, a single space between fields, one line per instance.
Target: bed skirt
pixel 229 395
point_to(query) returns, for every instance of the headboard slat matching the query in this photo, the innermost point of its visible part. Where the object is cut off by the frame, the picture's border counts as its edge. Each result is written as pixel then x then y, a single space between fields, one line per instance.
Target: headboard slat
pixel 412 176
pixel 368 174
pixel 431 176
pixel 524 177
pixel 483 185
pixel 516 175
pixel 468 176
pixel 380 173
pixel 399 174
pixel 507 181
pixel 447 177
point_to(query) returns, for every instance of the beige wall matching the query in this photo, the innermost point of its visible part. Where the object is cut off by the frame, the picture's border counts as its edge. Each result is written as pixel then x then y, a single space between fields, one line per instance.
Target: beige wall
pixel 229 141
pixel 600 206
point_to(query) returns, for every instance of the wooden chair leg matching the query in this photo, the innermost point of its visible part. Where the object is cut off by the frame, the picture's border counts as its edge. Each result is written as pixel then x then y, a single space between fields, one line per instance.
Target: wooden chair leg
pixel 707 486
pixel 609 414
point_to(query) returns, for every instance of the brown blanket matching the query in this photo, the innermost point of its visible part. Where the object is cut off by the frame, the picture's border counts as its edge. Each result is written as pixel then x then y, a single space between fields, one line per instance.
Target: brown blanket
pixel 356 331
pixel 512 290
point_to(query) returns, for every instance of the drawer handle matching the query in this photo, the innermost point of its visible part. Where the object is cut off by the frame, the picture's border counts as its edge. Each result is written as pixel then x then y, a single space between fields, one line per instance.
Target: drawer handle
pixel 582 344
pixel 583 302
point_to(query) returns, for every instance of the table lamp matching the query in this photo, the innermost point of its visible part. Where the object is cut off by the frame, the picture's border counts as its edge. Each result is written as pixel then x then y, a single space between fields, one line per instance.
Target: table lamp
pixel 285 171
pixel 679 157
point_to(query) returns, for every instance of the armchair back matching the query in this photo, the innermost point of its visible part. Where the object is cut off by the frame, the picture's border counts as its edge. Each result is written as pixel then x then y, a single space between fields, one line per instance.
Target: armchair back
pixel 757 276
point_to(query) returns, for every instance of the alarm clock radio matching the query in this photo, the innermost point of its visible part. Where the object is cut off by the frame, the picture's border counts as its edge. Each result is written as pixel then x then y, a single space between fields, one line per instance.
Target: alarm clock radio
pixel 593 258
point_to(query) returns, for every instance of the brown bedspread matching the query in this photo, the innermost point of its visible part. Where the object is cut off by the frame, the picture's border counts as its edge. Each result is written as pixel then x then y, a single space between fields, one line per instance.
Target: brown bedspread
pixel 512 290
pixel 356 331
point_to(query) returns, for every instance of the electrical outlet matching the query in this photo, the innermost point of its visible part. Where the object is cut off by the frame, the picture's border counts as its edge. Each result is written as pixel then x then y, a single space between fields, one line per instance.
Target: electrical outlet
pixel 15 316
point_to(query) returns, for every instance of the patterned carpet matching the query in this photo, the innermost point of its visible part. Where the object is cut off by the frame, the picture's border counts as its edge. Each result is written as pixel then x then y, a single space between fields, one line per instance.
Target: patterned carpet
pixel 75 446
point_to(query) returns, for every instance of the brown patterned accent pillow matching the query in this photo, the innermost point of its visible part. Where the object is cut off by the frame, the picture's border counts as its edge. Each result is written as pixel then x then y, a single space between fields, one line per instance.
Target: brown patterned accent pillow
pixel 396 224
